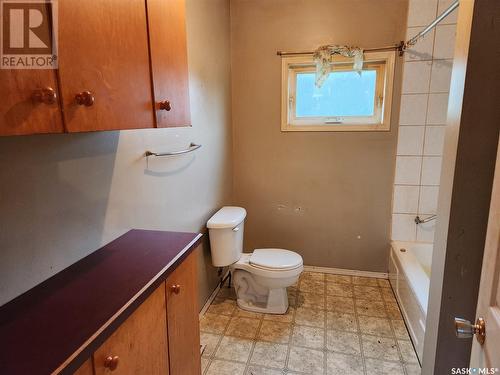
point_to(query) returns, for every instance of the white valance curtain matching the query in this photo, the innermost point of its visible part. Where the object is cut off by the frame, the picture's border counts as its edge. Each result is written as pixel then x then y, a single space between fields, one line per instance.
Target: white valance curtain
pixel 323 58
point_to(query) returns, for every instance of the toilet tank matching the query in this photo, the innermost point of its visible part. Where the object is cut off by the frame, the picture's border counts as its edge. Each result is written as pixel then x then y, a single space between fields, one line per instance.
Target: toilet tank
pixel 225 230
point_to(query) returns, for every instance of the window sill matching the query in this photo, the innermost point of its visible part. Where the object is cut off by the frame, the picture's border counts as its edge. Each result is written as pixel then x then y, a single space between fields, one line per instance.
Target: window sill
pixel 336 128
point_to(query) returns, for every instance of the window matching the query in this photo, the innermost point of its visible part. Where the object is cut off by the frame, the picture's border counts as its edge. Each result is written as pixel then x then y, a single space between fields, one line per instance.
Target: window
pixel 347 101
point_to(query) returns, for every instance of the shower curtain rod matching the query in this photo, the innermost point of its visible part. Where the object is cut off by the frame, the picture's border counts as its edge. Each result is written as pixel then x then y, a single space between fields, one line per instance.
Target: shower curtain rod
pixel 402 46
pixel 397 47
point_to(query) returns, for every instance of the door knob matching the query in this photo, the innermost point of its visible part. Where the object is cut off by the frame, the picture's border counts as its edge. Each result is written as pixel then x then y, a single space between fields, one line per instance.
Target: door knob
pixel 84 98
pixel 175 288
pixel 165 105
pixel 111 362
pixel 465 329
pixel 46 95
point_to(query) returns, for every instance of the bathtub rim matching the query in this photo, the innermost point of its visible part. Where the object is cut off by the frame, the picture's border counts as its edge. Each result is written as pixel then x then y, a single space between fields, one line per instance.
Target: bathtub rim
pixel 417 278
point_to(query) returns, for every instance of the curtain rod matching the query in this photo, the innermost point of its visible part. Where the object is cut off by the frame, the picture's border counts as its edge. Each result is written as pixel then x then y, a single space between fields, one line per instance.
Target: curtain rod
pixel 396 47
pixel 402 46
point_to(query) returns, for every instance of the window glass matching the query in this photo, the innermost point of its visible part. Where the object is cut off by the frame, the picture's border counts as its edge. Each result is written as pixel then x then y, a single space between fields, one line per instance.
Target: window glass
pixel 344 93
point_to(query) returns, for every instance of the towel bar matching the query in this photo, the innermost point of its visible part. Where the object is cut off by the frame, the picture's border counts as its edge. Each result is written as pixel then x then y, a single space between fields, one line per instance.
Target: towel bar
pixel 192 147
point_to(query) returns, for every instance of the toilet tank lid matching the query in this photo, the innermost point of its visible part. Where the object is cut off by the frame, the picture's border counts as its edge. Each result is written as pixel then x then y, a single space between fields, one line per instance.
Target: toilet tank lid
pixel 227 217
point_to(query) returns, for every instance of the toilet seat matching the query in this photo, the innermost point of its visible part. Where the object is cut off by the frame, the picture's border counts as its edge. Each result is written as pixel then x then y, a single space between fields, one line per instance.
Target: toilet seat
pixel 275 259
pixel 293 268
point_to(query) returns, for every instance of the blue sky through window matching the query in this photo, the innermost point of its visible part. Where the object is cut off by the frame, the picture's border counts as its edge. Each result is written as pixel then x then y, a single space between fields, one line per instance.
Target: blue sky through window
pixel 344 93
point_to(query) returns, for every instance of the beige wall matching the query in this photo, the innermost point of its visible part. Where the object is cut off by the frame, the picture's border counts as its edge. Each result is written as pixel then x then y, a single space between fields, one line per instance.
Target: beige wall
pixel 63 196
pixel 342 182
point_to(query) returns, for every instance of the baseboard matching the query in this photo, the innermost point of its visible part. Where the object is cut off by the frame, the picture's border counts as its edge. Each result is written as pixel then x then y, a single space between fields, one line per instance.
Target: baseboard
pixel 343 271
pixel 211 298
pixel 337 271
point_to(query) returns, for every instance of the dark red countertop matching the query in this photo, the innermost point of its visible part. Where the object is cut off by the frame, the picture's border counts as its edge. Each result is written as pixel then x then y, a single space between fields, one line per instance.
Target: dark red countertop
pixel 59 318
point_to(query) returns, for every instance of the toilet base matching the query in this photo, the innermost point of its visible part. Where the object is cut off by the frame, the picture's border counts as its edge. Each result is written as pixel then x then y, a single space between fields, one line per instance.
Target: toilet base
pixel 253 293
pixel 277 303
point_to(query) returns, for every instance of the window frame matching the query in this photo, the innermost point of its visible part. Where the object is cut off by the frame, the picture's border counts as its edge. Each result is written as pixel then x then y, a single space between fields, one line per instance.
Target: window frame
pixel 382 62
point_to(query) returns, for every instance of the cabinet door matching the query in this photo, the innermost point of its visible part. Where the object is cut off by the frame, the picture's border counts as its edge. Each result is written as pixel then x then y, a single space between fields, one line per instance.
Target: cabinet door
pixel 103 54
pixel 167 34
pixel 20 113
pixel 182 318
pixel 139 345
pixel 86 368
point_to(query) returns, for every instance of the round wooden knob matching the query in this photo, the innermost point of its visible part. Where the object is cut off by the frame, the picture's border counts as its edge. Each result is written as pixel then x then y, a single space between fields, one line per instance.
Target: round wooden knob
pixel 84 98
pixel 175 289
pixel 165 105
pixel 111 362
pixel 46 95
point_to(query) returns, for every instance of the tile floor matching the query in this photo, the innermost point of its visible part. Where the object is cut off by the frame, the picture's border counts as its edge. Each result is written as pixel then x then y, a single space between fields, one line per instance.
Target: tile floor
pixel 335 325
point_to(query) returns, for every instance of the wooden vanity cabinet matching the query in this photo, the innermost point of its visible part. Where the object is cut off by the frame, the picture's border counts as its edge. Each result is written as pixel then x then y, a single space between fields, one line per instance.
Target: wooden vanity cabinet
pixel 86 369
pixel 182 316
pixel 131 305
pixel 139 345
pixel 161 336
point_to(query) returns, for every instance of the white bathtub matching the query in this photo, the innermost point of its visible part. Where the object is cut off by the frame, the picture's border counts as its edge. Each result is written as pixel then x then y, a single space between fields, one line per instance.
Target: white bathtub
pixel 409 274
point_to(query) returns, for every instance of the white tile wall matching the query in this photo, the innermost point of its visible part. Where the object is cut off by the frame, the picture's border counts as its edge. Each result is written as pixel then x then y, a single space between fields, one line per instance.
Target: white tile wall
pixel 403 227
pixel 406 199
pixel 428 200
pixel 413 109
pixel 441 75
pixel 408 170
pixel 434 140
pixel 416 77
pixel 444 45
pixel 431 170
pixel 437 109
pixel 425 232
pixel 411 140
pixel 421 12
pixel 424 105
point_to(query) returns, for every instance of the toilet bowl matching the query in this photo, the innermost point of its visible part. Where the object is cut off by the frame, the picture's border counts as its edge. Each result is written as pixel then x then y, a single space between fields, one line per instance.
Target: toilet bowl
pixel 261 286
pixel 260 278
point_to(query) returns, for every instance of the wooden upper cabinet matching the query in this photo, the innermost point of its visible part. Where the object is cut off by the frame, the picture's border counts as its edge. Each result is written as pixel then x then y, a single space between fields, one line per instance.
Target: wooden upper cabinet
pixel 122 65
pixel 182 318
pixel 25 108
pixel 169 67
pixel 139 345
pixel 104 58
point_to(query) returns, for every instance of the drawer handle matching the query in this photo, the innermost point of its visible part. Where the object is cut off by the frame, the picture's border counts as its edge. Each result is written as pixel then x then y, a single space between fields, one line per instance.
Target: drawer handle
pixel 175 289
pixel 111 362
pixel 47 95
pixel 84 98
pixel 165 105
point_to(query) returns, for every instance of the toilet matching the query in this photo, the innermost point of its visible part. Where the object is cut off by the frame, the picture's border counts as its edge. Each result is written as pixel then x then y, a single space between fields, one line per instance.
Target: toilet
pixel 260 278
